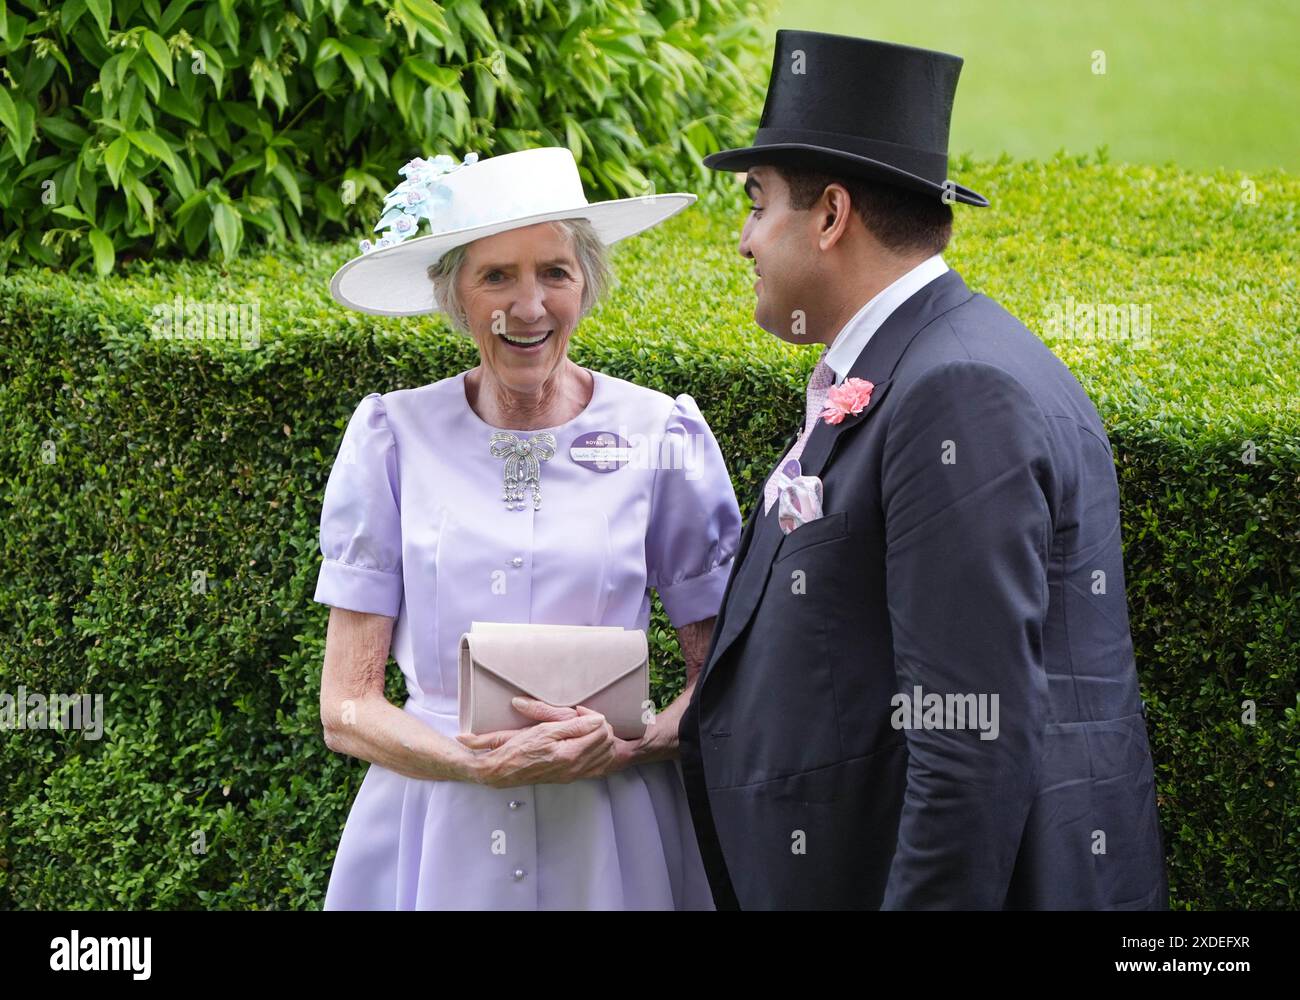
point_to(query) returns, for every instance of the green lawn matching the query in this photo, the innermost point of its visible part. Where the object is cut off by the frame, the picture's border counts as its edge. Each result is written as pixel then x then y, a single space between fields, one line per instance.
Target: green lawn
pixel 1201 83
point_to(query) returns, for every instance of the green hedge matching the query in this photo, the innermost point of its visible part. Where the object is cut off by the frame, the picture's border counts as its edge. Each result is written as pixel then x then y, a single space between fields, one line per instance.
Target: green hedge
pixel 138 127
pixel 173 457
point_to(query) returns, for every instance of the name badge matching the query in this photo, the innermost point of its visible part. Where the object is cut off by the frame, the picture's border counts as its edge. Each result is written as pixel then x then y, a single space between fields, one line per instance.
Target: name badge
pixel 600 451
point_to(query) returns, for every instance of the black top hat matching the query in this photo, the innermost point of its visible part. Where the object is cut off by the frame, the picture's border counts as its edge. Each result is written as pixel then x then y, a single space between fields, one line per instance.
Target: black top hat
pixel 858 107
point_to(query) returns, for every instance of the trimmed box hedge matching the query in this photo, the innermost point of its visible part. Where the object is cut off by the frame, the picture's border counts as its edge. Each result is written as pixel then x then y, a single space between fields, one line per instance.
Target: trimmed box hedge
pixel 133 463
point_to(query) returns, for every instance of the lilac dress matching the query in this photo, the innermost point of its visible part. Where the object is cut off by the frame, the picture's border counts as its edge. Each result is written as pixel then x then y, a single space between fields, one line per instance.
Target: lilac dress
pixel 414 526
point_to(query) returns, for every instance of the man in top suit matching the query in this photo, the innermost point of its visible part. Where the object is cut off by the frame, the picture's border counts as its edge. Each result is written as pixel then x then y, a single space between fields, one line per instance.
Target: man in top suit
pixel 926 696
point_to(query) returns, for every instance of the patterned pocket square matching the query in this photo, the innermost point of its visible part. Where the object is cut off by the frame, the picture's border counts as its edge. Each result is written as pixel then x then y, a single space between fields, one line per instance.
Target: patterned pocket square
pixel 799 496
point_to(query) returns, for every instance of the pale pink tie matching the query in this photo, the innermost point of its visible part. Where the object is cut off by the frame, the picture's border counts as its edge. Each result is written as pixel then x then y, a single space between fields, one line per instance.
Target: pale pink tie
pixel 819 383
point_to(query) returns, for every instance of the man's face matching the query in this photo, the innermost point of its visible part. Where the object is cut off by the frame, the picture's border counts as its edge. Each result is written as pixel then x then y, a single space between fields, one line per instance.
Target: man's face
pixel 782 243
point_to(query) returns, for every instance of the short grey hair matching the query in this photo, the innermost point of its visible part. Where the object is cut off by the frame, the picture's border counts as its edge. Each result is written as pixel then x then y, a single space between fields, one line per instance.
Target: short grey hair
pixel 593 261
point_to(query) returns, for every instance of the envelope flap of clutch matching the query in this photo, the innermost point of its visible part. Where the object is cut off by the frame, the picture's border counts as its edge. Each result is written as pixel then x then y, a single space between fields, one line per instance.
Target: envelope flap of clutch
pixel 560 668
pixel 477 627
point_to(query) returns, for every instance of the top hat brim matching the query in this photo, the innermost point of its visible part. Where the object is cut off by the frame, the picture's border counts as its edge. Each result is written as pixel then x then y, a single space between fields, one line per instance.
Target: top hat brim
pixel 832 161
pixel 394 281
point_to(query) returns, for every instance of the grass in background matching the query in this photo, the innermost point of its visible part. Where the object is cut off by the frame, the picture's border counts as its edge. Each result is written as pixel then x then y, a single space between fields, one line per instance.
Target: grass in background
pixel 1200 83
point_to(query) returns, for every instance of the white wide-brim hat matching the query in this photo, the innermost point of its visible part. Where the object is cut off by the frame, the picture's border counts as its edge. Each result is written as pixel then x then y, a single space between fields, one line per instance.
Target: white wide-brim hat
pixel 469 200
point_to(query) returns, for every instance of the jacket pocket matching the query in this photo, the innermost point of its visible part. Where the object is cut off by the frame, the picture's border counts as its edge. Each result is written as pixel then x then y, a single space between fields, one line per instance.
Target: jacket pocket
pixel 826 528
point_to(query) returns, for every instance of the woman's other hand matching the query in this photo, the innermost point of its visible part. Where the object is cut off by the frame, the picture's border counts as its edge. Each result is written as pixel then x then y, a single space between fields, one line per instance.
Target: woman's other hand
pixel 567 744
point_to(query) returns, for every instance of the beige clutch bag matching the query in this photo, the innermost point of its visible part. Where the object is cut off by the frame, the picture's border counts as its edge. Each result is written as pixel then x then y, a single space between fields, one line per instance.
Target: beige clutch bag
pixel 605 669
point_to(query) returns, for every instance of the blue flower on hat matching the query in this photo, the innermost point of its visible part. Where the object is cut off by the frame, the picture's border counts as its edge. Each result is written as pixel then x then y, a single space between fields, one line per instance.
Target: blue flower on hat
pixel 420 196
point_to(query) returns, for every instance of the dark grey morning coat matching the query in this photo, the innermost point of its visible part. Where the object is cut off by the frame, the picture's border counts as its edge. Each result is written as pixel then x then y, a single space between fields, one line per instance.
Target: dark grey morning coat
pixel 843 747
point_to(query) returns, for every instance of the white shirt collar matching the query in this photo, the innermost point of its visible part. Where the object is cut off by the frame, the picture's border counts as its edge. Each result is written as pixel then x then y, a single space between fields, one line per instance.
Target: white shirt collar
pixel 849 342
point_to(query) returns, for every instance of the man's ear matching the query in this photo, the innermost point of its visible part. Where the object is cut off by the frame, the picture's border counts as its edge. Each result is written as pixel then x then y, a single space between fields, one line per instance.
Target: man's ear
pixel 836 208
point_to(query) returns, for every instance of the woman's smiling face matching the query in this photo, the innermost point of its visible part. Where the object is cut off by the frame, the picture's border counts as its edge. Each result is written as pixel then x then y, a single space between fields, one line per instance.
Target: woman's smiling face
pixel 521 292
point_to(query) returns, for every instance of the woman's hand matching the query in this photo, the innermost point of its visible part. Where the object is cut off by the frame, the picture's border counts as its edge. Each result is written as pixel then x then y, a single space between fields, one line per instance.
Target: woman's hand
pixel 566 745
pixel 626 752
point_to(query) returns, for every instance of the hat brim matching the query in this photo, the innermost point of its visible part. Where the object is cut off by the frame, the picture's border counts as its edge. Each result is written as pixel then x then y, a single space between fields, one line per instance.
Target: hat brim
pixel 394 281
pixel 824 157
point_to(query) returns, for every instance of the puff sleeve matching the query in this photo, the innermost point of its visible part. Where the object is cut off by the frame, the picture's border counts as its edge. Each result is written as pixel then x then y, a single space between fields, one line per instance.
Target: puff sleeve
pixel 694 526
pixel 360 525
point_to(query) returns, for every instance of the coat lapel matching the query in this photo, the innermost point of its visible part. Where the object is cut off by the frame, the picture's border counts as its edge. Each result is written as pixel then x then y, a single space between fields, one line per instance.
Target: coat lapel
pixel 763 536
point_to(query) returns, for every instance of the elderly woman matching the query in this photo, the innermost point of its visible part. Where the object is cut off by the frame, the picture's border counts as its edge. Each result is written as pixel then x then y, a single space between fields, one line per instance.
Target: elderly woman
pixel 421 536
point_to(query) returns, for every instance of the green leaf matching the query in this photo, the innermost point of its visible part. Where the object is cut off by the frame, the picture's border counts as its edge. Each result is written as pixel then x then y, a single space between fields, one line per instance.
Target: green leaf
pixel 154 146
pixel 104 253
pixel 183 181
pixel 403 92
pixel 132 103
pixel 331 47
pixel 145 71
pixel 290 184
pixel 427 15
pixel 108 82
pixel 276 84
pixel 376 72
pixel 193 201
pixel 174 103
pixel 157 49
pixel 8 111
pixel 355 65
pixel 115 158
pixel 229 23
pixel 69 15
pixel 72 212
pixel 20 122
pixel 229 228
pixel 173 14
pixel 241 114
pixel 207 149
pixel 247 162
pixel 213 65
pixel 45 165
pixel 442 77
pixel 16 27
pixel 142 195
pixel 470 14
pixel 53 50
pixel 573 137
pixel 485 91
pixel 328 49
pixel 100 10
pixel 459 111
